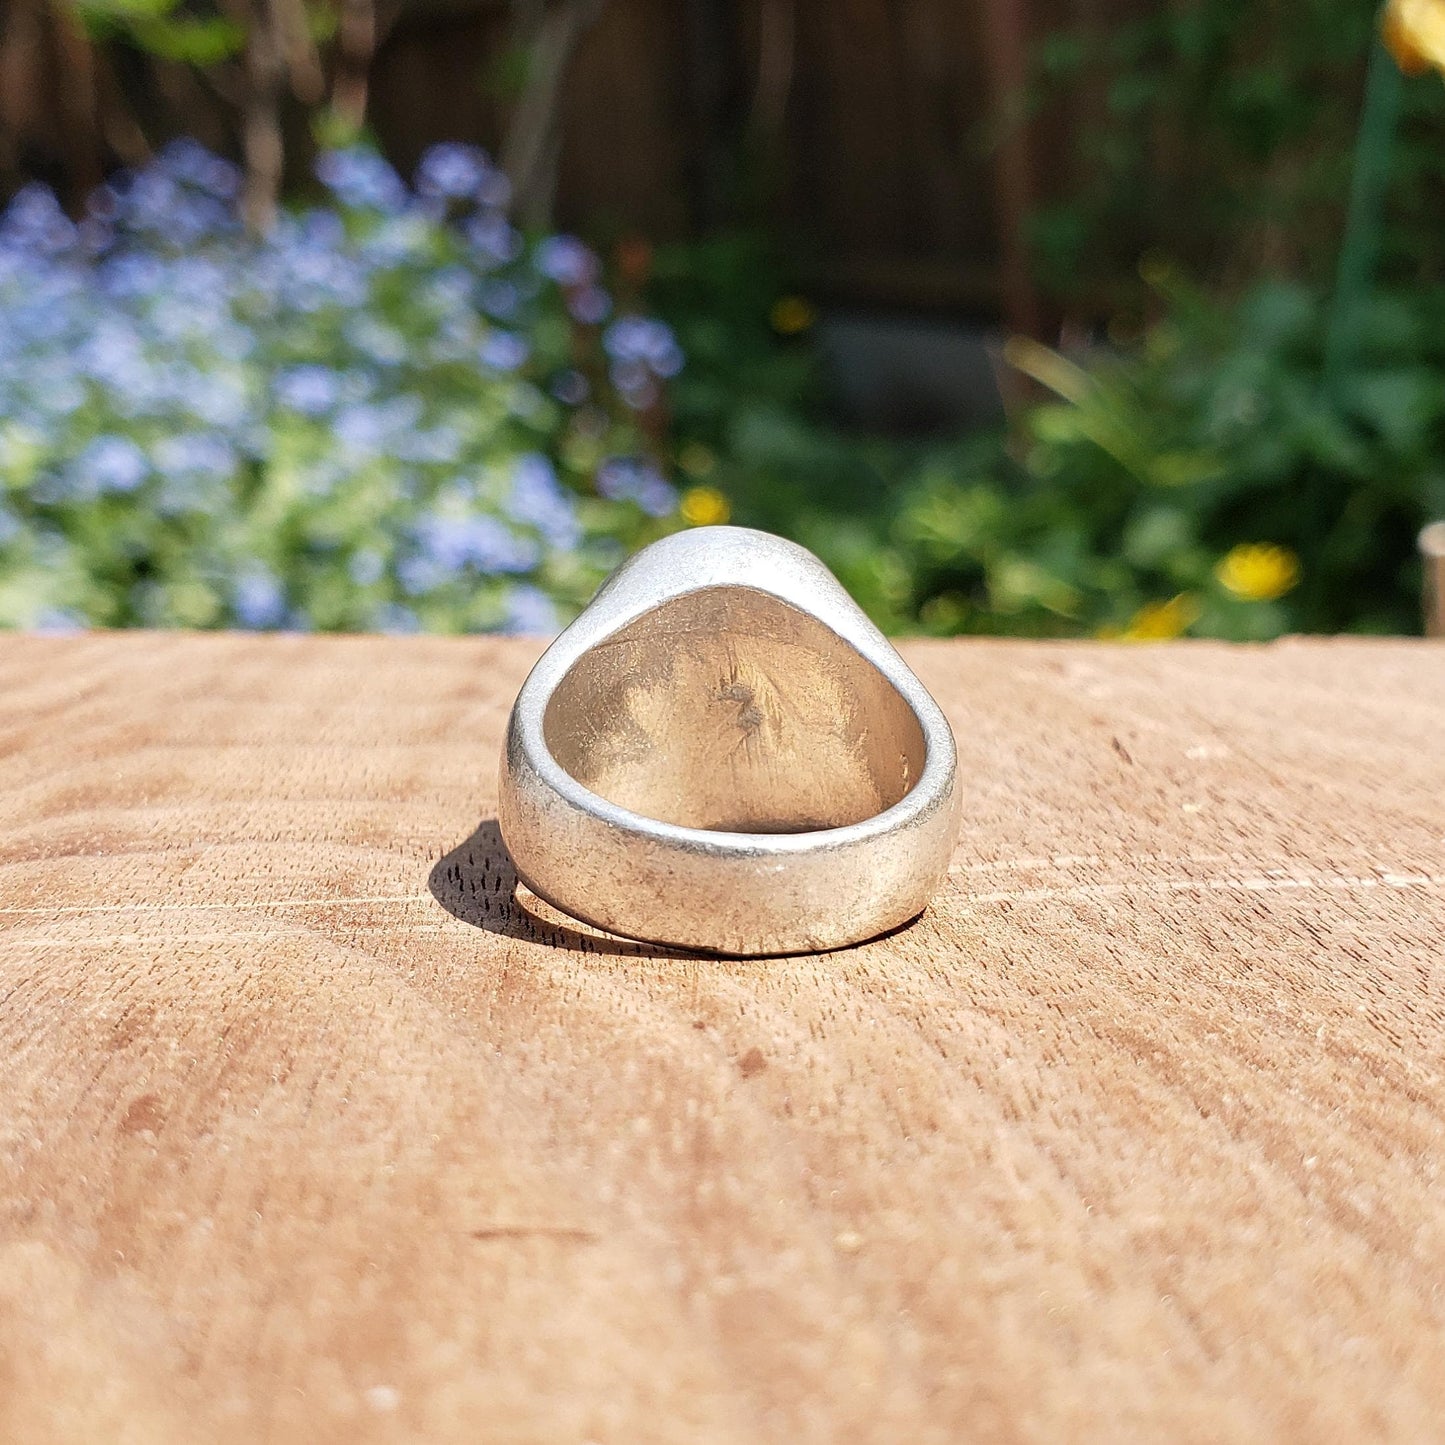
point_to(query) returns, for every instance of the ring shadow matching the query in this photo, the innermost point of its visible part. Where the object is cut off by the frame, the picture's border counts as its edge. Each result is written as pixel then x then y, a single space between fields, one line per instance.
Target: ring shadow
pixel 477 883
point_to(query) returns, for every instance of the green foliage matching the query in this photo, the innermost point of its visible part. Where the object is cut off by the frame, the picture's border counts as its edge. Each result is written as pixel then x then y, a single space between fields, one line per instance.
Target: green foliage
pixel 170 29
pixel 749 418
pixel 1221 135
pixel 1127 493
pixel 1174 486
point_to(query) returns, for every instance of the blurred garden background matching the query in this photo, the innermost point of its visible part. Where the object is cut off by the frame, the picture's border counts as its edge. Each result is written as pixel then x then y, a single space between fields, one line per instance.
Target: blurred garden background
pixel 1119 318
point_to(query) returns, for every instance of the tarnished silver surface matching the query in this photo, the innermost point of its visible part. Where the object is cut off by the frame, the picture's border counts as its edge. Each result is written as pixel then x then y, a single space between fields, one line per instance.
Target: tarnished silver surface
pixel 722 752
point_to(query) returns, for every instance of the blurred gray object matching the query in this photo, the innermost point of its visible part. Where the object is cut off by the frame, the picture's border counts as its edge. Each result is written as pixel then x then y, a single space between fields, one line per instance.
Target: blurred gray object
pixel 905 373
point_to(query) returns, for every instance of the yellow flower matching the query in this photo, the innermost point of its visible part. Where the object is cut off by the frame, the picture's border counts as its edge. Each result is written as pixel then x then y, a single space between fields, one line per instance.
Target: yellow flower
pixel 1414 33
pixel 704 507
pixel 1258 571
pixel 791 314
pixel 1159 621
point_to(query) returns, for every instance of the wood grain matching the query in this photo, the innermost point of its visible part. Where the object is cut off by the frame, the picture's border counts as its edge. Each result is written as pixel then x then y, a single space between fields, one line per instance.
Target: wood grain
pixel 310 1131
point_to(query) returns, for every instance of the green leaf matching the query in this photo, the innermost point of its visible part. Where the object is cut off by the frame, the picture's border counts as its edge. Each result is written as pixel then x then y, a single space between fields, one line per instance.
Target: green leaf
pixel 1404 405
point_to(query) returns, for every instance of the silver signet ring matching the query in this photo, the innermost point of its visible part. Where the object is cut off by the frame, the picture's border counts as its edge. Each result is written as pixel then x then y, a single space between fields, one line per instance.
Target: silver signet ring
pixel 723 753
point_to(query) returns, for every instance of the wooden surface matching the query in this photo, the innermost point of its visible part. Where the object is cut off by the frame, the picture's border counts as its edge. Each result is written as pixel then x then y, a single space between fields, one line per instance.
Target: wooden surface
pixel 308 1136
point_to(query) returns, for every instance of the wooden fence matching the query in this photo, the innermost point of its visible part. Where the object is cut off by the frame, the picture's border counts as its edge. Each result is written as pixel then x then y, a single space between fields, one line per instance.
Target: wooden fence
pixel 880 134
pixel 872 131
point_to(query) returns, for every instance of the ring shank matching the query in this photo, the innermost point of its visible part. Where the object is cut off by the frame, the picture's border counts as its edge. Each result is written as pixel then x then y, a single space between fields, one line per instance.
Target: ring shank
pixel 726 893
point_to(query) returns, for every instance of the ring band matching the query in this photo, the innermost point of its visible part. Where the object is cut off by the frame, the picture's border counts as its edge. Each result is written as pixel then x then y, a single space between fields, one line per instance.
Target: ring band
pixel 723 753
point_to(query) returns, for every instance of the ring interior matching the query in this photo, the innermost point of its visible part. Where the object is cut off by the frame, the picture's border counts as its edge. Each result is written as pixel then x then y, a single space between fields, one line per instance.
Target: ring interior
pixel 728 709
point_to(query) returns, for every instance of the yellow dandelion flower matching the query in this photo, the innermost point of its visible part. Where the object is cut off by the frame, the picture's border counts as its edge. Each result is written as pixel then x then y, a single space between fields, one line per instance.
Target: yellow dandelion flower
pixel 791 315
pixel 1159 621
pixel 704 507
pixel 1258 571
pixel 1414 33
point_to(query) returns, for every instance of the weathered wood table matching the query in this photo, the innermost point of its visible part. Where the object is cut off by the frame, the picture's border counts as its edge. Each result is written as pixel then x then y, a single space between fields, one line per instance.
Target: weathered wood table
pixel 310 1131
